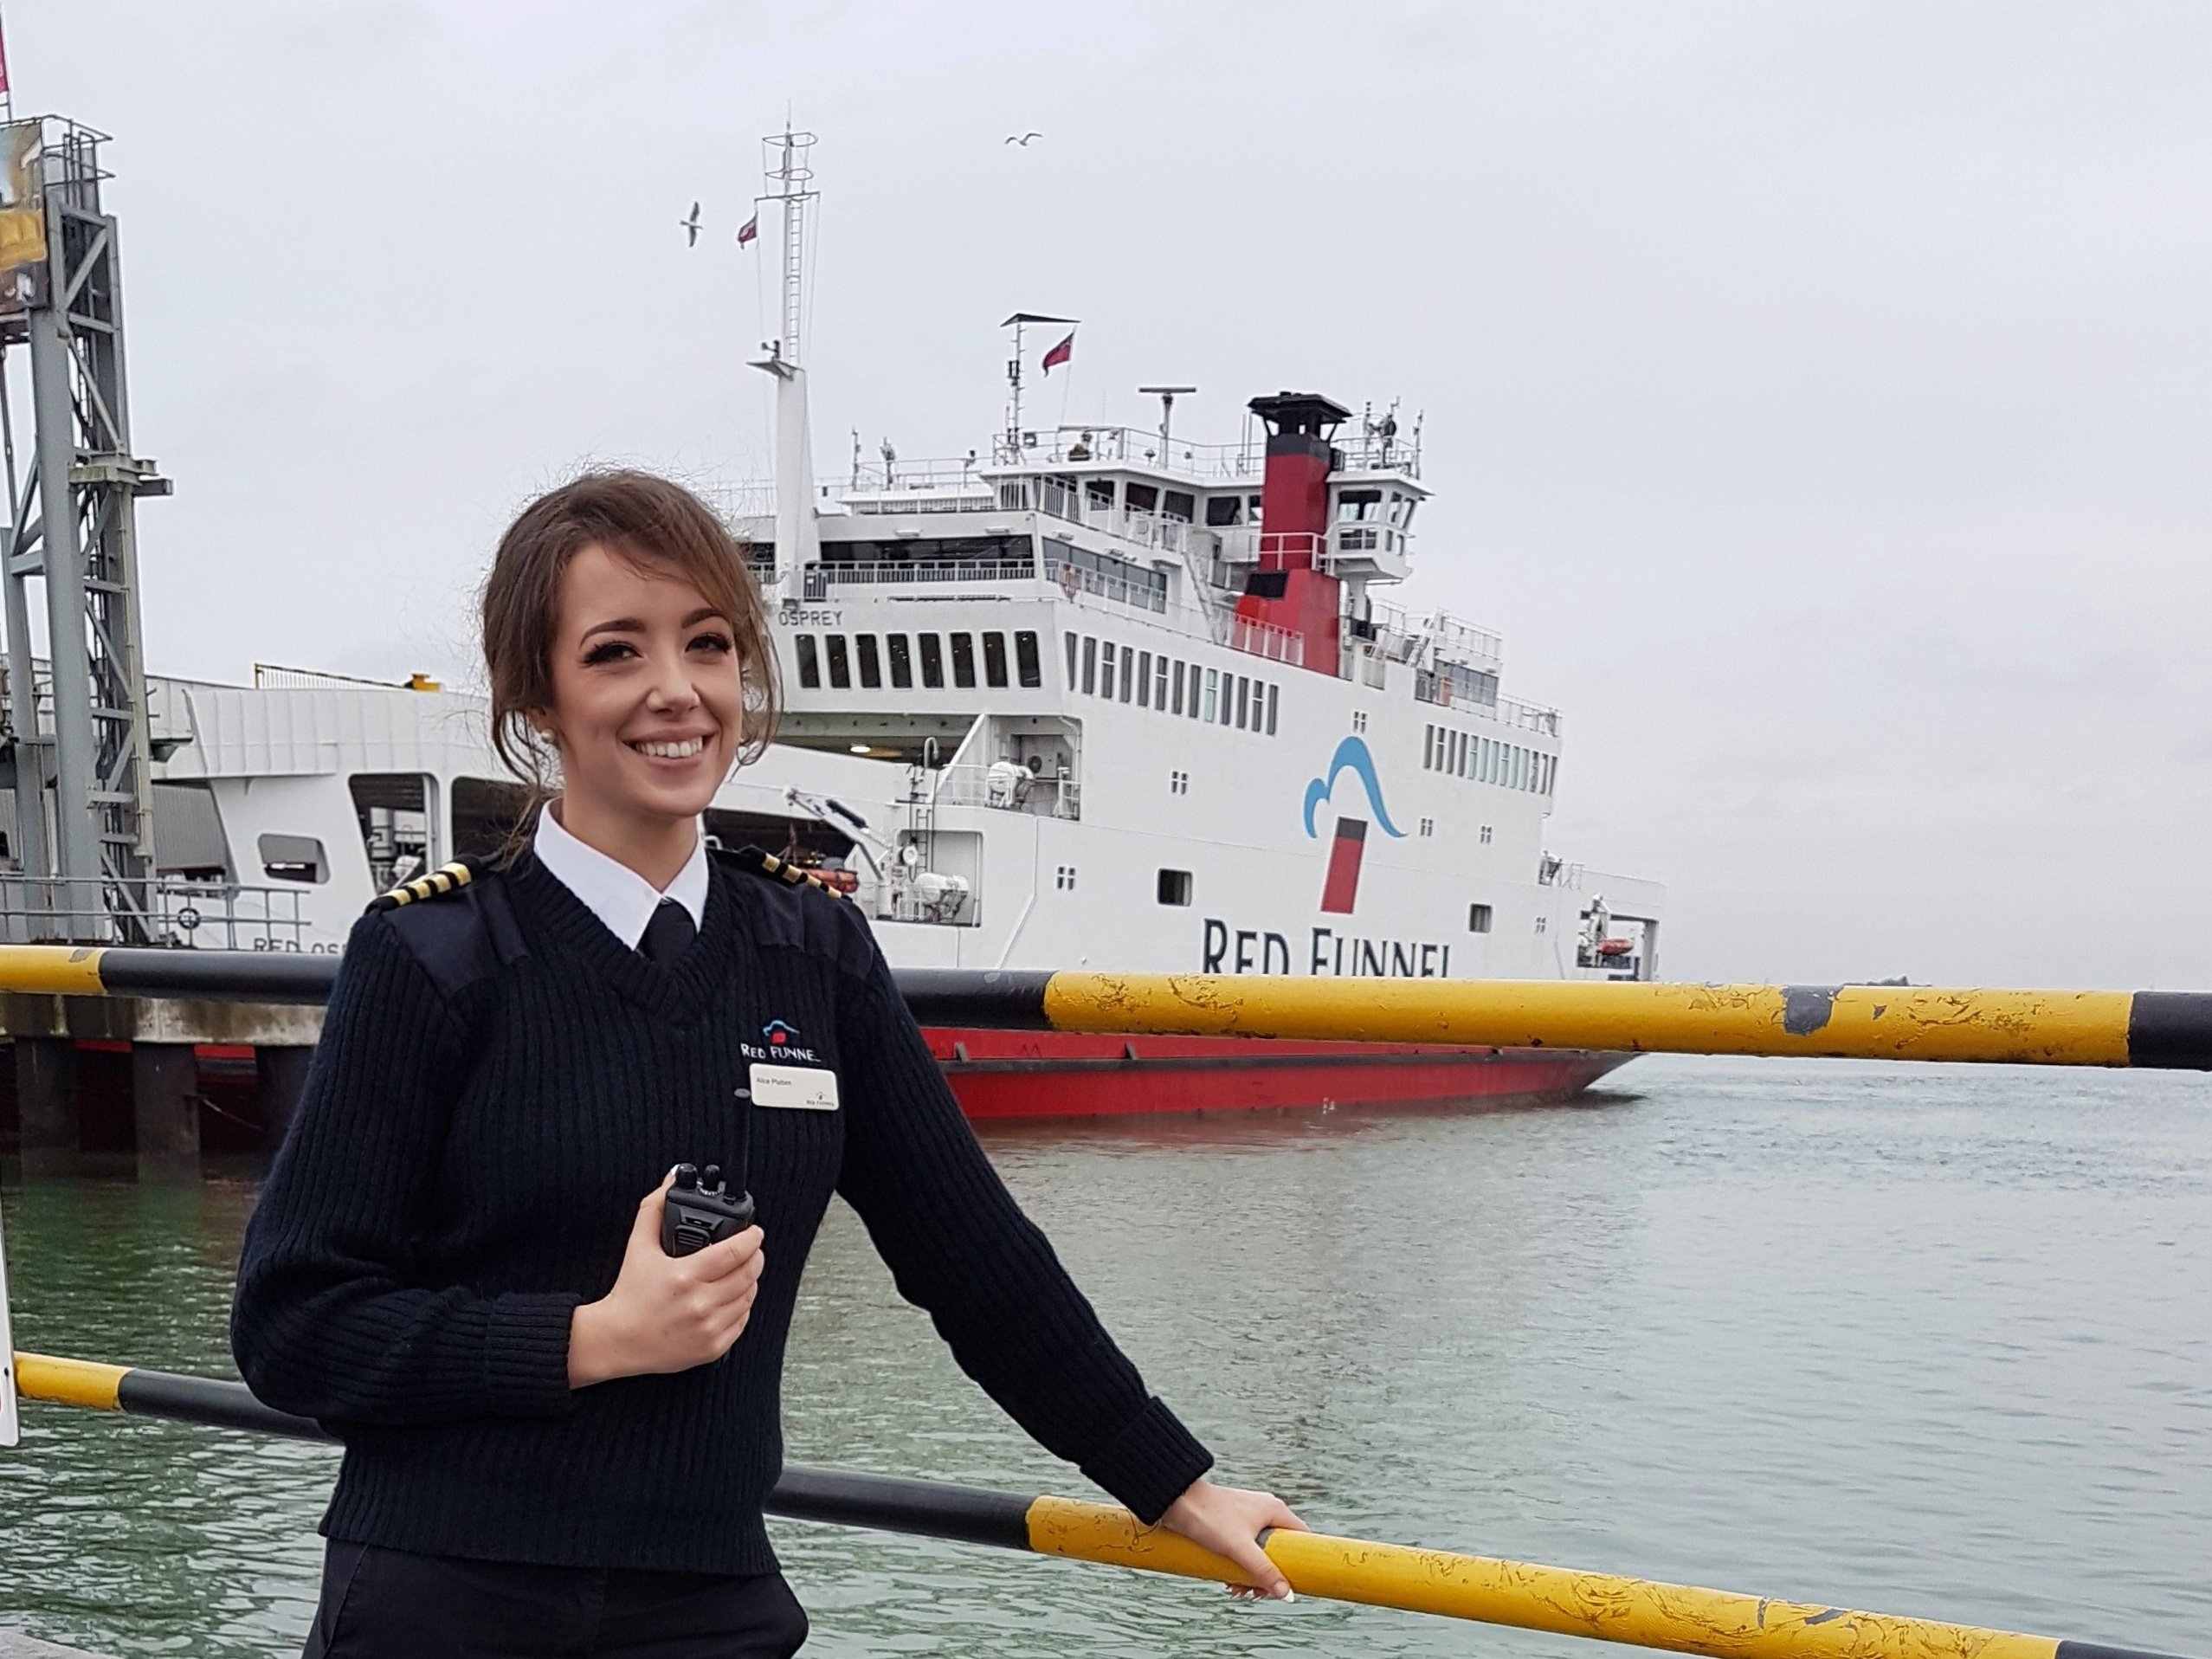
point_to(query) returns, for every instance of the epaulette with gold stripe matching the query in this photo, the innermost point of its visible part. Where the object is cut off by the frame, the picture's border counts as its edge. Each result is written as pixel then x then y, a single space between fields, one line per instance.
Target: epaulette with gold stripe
pixel 753 861
pixel 447 878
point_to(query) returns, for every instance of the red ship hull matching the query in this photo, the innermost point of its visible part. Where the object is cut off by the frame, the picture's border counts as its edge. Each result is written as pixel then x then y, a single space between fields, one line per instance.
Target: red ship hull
pixel 998 1075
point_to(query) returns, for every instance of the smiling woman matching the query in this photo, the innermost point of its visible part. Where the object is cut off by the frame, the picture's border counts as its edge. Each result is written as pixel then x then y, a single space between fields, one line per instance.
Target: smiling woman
pixel 554 1422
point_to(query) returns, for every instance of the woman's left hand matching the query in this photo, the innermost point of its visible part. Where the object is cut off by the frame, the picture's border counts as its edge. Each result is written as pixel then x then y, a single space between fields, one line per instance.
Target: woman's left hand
pixel 1228 1521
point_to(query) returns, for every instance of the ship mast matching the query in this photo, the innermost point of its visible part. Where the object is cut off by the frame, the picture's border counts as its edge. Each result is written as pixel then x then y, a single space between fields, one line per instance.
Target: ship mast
pixel 798 538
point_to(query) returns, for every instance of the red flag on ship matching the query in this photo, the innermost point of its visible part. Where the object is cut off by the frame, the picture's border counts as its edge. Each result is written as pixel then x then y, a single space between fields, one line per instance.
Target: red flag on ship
pixel 1060 353
pixel 749 230
pixel 3 67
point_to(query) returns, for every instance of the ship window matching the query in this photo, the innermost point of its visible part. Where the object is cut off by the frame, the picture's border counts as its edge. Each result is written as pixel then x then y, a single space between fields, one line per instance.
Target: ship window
pixel 902 660
pixel 1175 681
pixel 1273 691
pixel 1159 684
pixel 1212 676
pixel 1357 506
pixel 1026 668
pixel 1128 673
pixel 932 662
pixel 1478 919
pixel 1179 503
pixel 1222 511
pixel 1192 676
pixel 1174 887
pixel 963 660
pixel 1140 498
pixel 1105 669
pixel 293 858
pixel 1090 665
pixel 841 669
pixel 1074 653
pixel 1428 746
pixel 994 658
pixel 810 665
pixel 1144 679
pixel 1458 752
pixel 1252 503
pixel 1243 698
pixel 871 669
pixel 1099 492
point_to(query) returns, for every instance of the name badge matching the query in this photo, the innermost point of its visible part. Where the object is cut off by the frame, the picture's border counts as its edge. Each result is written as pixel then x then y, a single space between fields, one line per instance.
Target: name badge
pixel 795 1088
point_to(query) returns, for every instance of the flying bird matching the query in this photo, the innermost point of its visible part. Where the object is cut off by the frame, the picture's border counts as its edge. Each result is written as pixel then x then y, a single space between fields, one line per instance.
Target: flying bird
pixel 691 227
pixel 1023 141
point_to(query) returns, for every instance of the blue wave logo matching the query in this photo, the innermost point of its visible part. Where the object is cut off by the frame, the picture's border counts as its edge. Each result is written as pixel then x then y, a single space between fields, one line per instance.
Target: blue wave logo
pixel 1352 756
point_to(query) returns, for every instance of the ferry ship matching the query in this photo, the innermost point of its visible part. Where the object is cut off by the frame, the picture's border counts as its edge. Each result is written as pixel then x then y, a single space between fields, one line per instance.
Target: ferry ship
pixel 1107 699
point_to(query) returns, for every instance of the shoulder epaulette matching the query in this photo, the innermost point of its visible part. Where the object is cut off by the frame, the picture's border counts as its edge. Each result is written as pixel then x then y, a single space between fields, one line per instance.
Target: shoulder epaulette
pixel 754 861
pixel 447 878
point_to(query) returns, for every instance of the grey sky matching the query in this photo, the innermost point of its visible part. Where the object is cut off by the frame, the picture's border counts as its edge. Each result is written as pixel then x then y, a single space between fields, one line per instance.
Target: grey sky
pixel 1817 395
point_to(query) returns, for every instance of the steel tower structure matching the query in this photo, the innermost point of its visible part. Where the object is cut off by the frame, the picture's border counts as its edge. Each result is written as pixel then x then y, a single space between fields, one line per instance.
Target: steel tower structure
pixel 84 813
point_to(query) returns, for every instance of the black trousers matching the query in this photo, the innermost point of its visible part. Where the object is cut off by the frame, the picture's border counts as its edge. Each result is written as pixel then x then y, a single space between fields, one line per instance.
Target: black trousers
pixel 379 1604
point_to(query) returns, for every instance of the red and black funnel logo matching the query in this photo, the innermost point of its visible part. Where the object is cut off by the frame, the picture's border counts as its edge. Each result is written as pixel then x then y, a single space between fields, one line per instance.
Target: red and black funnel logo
pixel 1341 890
pixel 1340 887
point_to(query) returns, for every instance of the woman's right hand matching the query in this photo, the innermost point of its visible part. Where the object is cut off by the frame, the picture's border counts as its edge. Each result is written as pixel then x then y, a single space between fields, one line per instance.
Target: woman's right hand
pixel 665 1313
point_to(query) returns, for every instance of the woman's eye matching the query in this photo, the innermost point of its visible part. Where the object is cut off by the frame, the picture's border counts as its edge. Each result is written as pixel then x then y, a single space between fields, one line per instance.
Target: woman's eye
pixel 711 642
pixel 611 650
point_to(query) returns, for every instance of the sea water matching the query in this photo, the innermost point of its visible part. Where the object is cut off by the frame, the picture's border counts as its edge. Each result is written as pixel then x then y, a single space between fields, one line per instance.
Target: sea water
pixel 1927 1340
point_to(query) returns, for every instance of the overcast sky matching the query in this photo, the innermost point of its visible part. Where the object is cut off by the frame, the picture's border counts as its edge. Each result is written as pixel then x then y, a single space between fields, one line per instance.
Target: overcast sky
pixel 1818 397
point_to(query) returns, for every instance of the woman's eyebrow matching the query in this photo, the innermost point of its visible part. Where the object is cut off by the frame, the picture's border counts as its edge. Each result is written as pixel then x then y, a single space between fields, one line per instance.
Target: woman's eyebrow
pixel 706 613
pixel 619 625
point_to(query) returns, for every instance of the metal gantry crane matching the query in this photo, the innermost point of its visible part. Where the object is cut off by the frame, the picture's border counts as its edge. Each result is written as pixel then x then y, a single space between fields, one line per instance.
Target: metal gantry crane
pixel 76 742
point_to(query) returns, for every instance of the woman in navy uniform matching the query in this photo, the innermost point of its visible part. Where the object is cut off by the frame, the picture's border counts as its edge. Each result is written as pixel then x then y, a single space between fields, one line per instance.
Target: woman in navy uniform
pixel 558 1435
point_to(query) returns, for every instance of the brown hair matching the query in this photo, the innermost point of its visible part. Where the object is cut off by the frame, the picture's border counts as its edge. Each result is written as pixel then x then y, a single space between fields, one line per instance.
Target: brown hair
pixel 657 523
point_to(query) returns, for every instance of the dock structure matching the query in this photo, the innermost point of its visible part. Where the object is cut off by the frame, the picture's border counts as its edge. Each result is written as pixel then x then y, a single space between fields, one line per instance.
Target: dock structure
pixel 124 1085
pixel 15 1645
pixel 173 1012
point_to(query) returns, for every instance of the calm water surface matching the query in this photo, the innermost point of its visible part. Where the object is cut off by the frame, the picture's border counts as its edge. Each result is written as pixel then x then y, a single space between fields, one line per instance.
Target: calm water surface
pixel 1932 1341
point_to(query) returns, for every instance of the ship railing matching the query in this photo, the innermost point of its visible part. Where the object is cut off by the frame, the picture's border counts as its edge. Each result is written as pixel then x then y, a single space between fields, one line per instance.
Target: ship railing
pixel 1072 579
pixel 1131 446
pixel 171 910
pixel 1267 639
pixel 900 573
pixel 1373 452
pixel 1507 711
pixel 982 786
pixel 1459 641
pixel 1366 662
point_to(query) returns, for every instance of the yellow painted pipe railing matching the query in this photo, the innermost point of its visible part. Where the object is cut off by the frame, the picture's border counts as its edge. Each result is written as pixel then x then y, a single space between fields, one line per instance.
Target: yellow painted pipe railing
pixel 2049 1028
pixel 1680 1618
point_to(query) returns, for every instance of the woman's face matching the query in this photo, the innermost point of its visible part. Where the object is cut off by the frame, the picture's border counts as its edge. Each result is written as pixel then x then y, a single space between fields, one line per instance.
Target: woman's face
pixel 648 694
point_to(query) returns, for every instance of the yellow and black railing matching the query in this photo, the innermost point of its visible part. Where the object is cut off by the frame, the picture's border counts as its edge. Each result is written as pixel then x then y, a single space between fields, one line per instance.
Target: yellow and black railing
pixel 1677 1618
pixel 2172 1029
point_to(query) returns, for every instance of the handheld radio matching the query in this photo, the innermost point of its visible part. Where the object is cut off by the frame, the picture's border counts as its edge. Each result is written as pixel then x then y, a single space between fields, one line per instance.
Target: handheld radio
pixel 700 1209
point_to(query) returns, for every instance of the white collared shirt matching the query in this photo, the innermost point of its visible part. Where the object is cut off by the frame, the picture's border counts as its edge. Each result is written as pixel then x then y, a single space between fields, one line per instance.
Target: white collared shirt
pixel 612 891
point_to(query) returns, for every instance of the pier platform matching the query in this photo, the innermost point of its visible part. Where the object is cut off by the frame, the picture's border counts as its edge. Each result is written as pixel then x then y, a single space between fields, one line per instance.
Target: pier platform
pixel 128 1086
pixel 13 1646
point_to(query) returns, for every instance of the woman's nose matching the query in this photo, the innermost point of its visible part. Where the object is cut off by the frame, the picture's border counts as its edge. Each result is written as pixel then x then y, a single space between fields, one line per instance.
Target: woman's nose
pixel 671 687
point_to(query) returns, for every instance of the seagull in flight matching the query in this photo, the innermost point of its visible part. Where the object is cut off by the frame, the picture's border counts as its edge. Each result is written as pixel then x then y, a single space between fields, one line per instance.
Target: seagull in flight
pixel 691 227
pixel 1023 141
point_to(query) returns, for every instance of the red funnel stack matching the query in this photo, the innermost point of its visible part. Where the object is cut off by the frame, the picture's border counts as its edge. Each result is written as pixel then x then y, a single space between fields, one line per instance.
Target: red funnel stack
pixel 1292 588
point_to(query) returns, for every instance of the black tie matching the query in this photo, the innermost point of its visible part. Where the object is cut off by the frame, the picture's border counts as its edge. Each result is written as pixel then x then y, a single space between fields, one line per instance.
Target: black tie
pixel 668 935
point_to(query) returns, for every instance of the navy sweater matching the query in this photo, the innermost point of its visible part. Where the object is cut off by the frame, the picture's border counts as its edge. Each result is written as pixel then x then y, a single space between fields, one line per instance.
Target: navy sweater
pixel 489 1102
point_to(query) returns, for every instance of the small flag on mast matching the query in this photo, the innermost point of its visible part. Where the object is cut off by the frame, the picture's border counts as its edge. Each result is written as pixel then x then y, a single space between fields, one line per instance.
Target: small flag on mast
pixel 749 230
pixel 1060 353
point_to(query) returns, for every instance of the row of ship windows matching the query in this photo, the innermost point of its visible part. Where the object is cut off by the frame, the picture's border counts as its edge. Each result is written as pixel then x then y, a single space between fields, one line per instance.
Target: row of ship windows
pixel 1170 685
pixel 1465 754
pixel 902 656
